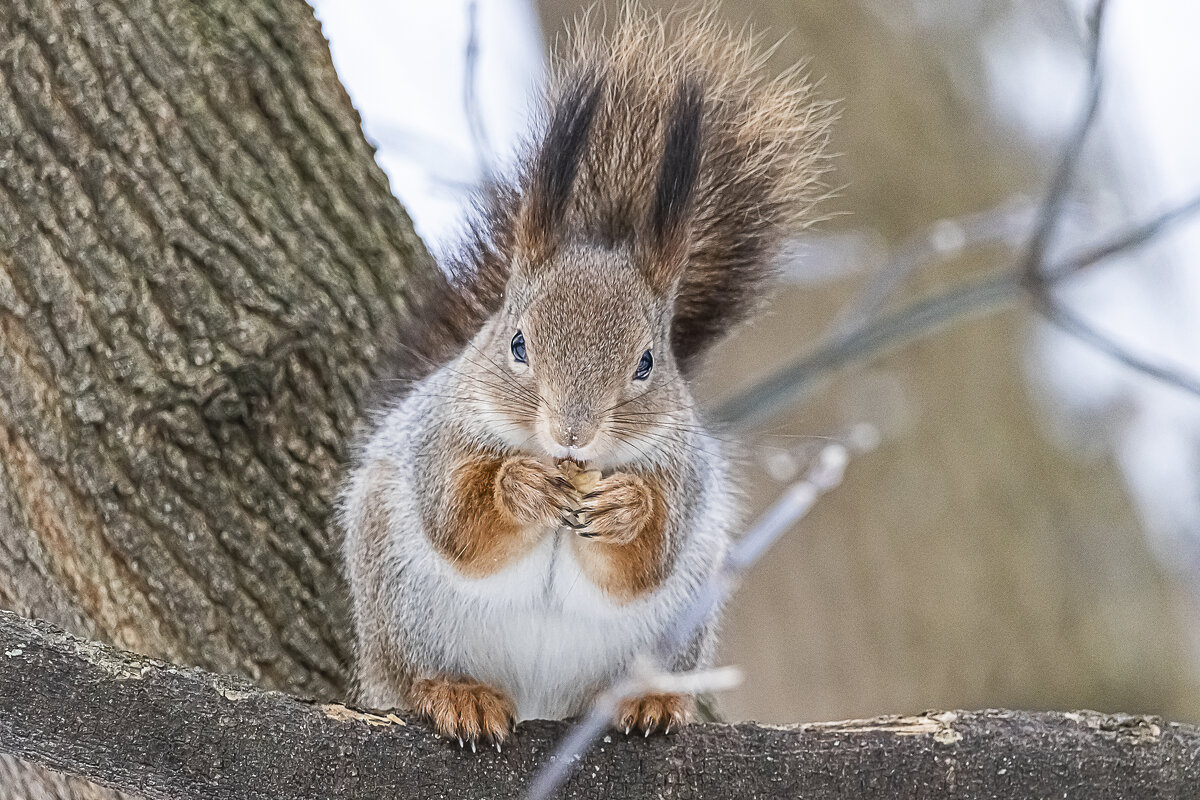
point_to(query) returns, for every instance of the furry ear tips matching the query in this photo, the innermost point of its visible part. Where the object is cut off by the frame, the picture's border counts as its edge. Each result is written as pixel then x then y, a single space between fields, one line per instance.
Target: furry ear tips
pixel 680 161
pixel 674 191
pixel 548 192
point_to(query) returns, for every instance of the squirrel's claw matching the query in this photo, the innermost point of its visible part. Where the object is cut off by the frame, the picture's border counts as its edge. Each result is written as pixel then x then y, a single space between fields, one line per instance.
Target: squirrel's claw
pixel 465 710
pixel 653 713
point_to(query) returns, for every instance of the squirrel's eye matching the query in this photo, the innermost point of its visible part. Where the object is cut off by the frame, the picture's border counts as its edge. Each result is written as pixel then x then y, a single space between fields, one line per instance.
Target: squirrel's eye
pixel 518 347
pixel 644 366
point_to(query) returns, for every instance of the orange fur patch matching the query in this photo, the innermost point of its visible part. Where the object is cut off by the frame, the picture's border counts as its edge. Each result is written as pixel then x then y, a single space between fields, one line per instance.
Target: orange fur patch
pixel 476 536
pixel 628 557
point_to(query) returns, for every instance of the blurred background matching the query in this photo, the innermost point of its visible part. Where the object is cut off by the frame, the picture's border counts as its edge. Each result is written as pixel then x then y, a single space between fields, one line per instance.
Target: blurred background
pixel 1027 531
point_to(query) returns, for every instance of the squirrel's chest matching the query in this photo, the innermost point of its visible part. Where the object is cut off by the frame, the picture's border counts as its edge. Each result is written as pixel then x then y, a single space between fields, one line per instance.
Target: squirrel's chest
pixel 548 577
pixel 543 632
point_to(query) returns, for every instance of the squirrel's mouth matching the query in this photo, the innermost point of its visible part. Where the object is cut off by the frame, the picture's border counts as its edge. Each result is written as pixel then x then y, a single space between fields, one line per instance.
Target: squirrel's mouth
pixel 563 462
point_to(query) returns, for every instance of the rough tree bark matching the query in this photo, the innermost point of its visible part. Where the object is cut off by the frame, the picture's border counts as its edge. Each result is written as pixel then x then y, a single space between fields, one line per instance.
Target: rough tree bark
pixel 172 733
pixel 198 257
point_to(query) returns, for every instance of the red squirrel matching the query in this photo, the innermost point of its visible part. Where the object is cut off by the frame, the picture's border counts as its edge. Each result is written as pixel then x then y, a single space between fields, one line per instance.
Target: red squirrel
pixel 541 498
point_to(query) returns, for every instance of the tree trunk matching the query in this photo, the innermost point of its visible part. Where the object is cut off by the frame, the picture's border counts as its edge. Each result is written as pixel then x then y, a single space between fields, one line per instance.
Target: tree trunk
pixel 198 261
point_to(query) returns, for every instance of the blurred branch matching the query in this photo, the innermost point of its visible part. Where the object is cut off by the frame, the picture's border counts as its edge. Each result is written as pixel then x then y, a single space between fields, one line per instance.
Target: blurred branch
pixel 1060 184
pixel 471 95
pixel 824 474
pixel 1129 240
pixel 1006 224
pixel 861 334
pixel 1071 323
pixel 762 400
pixel 971 298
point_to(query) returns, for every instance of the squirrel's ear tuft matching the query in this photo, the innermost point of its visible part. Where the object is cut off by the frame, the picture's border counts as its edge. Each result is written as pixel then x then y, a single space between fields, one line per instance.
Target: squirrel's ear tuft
pixel 548 191
pixel 677 172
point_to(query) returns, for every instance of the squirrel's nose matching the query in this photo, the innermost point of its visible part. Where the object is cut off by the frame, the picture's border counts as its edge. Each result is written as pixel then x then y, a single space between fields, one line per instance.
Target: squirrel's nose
pixel 573 431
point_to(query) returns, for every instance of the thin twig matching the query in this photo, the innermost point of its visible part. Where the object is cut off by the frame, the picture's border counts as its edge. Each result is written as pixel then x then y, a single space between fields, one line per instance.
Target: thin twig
pixel 1129 240
pixel 761 401
pixel 1071 323
pixel 471 96
pixel 1006 224
pixel 1051 212
pixel 825 474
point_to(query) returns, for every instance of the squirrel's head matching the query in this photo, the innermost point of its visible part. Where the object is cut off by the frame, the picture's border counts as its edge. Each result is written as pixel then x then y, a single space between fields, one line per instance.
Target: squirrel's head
pixel 578 362
pixel 582 365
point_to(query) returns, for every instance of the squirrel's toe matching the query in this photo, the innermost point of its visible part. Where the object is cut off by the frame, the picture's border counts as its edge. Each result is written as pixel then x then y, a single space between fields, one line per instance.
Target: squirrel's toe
pixel 654 712
pixel 464 710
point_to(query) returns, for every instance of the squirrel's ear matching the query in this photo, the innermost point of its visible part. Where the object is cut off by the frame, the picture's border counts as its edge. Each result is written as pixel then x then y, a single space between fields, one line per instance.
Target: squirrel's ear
pixel 670 213
pixel 548 189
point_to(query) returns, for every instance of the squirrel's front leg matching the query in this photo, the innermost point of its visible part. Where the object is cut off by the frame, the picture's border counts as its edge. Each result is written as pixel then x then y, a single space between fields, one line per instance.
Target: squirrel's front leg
pixel 494 510
pixel 622 538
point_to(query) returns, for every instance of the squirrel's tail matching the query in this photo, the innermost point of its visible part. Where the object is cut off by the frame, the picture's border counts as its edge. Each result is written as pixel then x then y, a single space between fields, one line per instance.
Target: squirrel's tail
pixel 662 135
pixel 760 156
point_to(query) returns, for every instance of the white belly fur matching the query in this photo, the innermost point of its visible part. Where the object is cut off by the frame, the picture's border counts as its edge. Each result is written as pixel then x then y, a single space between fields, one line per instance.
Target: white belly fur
pixel 543 633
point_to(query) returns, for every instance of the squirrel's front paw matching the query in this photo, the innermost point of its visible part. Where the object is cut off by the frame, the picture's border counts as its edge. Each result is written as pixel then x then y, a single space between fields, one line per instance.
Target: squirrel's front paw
pixel 465 710
pixel 654 712
pixel 614 512
pixel 531 492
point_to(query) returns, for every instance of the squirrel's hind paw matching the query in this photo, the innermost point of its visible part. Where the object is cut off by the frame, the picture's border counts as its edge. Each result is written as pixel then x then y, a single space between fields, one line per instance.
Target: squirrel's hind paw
pixel 465 710
pixel 654 712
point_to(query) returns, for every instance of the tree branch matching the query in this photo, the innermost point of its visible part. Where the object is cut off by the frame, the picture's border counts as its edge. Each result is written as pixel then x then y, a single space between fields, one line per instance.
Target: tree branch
pixel 859 335
pixel 1070 322
pixel 162 731
pixel 757 403
pixel 1052 206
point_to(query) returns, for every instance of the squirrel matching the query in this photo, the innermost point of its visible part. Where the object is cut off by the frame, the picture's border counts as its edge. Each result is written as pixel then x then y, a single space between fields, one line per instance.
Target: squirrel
pixel 540 498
